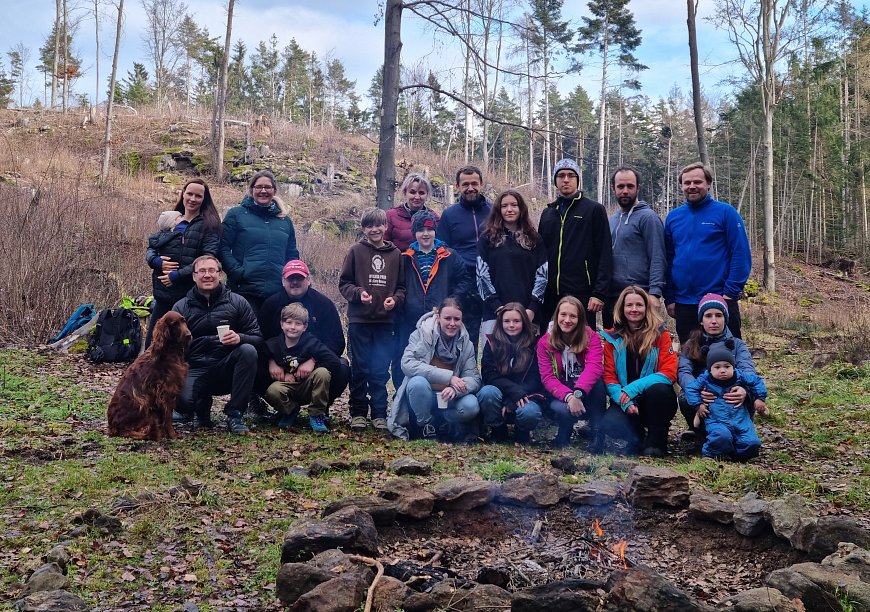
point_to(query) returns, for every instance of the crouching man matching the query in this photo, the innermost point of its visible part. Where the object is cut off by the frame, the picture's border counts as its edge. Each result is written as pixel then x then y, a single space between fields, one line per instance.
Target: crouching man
pixel 222 354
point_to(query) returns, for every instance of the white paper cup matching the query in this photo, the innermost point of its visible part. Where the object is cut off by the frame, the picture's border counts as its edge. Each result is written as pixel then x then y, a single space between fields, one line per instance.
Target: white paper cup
pixel 222 330
pixel 442 403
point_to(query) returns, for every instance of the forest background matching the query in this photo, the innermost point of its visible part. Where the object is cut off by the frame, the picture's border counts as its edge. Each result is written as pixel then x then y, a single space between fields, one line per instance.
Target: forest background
pixel 515 85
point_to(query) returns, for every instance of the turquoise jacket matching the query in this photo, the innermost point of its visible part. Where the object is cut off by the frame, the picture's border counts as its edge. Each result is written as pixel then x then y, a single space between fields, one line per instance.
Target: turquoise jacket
pixel 256 244
pixel 659 367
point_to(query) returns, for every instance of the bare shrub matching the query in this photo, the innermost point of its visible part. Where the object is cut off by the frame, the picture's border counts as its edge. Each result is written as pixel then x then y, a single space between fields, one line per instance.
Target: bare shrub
pixel 62 249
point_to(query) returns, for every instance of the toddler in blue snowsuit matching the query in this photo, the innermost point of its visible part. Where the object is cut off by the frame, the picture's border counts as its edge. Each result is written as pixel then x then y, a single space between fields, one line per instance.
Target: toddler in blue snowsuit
pixel 730 431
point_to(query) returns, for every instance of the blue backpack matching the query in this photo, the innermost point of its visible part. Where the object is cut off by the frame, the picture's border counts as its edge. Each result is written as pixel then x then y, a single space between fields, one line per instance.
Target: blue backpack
pixel 82 315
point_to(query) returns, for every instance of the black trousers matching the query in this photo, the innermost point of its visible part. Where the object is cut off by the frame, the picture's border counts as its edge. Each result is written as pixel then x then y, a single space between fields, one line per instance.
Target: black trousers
pixel 158 309
pixel 370 346
pixel 234 374
pixel 686 317
pixel 649 427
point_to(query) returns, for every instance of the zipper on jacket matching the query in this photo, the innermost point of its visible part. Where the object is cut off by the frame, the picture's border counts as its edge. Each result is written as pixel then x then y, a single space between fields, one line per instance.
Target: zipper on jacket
pixel 588 277
pixel 561 234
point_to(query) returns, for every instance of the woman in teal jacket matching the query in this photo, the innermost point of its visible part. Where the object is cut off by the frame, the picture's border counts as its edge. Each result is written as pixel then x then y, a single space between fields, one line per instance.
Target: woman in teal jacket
pixel 258 239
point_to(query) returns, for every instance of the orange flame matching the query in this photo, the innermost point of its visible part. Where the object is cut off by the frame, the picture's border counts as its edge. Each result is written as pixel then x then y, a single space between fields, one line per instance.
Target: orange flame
pixel 596 527
pixel 619 550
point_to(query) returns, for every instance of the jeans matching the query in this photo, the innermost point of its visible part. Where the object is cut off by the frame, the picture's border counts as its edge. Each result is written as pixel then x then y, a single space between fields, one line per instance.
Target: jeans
pixel 234 374
pixel 594 402
pixel 491 400
pixel 370 346
pixel 422 402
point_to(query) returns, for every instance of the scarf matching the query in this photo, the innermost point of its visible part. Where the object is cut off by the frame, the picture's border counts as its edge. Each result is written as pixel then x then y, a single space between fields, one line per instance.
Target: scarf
pixel 446 348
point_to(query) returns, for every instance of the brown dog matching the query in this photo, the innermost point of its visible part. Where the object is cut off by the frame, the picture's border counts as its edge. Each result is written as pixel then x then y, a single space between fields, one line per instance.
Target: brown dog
pixel 145 397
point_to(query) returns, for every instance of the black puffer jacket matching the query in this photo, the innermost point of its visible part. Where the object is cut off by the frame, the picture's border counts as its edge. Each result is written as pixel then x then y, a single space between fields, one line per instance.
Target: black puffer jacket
pixel 204 314
pixel 183 248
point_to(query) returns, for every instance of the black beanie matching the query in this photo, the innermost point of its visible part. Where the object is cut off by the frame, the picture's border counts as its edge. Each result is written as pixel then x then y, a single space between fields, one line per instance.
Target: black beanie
pixel 721 351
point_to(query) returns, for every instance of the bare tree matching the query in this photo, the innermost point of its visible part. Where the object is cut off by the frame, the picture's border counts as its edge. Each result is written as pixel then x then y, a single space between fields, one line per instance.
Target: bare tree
pixel 692 8
pixel 385 175
pixel 221 98
pixel 161 40
pixel 764 32
pixel 107 140
pixel 54 66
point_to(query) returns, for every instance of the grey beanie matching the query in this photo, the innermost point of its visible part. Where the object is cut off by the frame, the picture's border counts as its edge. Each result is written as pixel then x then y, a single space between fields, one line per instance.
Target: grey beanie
pixel 566 164
pixel 166 219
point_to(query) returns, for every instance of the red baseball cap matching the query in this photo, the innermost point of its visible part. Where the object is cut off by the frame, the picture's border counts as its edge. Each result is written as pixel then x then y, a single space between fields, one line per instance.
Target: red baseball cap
pixel 295 266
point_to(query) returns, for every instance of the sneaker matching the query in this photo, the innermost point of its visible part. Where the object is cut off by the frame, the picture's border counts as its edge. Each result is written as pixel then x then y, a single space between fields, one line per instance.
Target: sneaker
pixel 498 434
pixel 181 417
pixel 286 421
pixel 380 425
pixel 359 423
pixel 427 432
pixel 598 443
pixel 237 426
pixel 317 424
pixel 688 436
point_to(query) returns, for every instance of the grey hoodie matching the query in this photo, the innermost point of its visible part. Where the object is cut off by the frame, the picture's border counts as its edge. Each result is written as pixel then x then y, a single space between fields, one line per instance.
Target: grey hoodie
pixel 417 360
pixel 638 239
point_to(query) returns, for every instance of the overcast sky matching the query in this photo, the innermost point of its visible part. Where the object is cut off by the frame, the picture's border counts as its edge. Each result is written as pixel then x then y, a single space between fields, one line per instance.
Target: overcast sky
pixel 345 29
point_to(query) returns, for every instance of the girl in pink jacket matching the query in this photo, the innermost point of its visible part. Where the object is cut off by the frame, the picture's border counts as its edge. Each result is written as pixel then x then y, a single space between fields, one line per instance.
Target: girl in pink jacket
pixel 570 361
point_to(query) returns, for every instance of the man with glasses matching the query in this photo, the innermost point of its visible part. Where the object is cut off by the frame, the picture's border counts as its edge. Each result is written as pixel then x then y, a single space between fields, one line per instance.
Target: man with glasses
pixel 576 232
pixel 222 355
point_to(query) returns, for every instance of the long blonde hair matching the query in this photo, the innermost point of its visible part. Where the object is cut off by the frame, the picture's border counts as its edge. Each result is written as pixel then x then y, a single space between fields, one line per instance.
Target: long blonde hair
pixel 577 340
pixel 642 339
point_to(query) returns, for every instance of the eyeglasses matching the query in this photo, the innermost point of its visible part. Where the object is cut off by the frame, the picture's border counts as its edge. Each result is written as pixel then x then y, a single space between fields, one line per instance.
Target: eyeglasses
pixel 211 271
pixel 262 188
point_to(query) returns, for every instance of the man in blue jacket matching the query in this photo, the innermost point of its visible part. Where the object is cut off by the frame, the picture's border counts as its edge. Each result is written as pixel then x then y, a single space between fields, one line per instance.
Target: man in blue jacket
pixel 638 239
pixel 707 252
pixel 459 228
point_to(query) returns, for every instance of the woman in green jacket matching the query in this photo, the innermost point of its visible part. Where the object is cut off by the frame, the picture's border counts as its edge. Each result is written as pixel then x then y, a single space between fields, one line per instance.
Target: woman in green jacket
pixel 258 239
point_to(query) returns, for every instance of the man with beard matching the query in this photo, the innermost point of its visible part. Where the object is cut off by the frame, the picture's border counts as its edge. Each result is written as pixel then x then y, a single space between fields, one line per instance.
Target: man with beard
pixel 707 252
pixel 637 236
pixel 580 260
pixel 460 228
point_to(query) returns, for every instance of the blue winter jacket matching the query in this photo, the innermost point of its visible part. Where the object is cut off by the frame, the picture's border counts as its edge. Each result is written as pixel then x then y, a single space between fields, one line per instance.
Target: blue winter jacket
pixel 720 410
pixel 707 252
pixel 460 228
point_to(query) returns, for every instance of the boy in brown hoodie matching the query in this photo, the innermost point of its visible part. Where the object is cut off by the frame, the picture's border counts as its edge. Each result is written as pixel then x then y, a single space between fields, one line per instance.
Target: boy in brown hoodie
pixel 372 282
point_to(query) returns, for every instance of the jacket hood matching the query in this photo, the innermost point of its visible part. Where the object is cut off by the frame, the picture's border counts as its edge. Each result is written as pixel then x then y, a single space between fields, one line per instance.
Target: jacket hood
pixel 387 246
pixel 271 210
pixel 560 199
pixel 428 323
pixel 414 247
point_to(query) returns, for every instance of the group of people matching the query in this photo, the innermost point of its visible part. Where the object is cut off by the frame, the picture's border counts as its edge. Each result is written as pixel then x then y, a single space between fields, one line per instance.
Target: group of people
pixel 421 289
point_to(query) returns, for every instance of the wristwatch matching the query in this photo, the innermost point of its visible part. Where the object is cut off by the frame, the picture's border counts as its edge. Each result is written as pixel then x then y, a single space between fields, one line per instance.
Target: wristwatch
pixel 578 393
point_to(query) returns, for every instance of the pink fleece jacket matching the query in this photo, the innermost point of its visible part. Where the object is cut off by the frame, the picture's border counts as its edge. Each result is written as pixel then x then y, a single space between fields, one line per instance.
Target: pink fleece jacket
pixel 553 372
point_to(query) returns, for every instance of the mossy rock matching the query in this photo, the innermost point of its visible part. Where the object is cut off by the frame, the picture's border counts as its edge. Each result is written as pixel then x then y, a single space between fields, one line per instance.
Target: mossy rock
pixel 131 161
pixel 201 162
pixel 241 172
pixel 441 181
pixel 325 227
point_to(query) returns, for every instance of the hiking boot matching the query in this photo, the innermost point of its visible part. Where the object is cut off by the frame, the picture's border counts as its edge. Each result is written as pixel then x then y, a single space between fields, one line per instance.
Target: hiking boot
pixel 181 417
pixel 498 434
pixel 359 423
pixel 287 421
pixel 598 444
pixel 317 424
pixel 380 425
pixel 562 439
pixel 427 432
pixel 237 426
pixel 260 408
pixel 522 436
pixel 654 452
pixel 688 436
pixel 203 422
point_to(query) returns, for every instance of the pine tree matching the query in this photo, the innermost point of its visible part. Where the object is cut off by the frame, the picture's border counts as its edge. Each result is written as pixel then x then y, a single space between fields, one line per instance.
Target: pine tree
pixel 610 33
pixel 134 89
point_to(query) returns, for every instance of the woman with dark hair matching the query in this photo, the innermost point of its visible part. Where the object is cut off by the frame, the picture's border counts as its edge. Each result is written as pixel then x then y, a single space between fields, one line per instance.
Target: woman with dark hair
pixel 512 391
pixel 258 240
pixel 511 259
pixel 640 367
pixel 198 232
pixel 415 190
pixel 569 360
pixel 441 378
